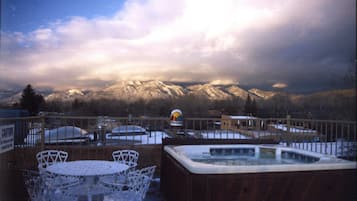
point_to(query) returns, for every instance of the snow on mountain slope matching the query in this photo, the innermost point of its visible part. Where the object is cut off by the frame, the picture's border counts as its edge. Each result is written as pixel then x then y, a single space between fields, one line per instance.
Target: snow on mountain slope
pixel 241 93
pixel 262 94
pixel 154 89
pixel 132 90
pixel 210 91
pixel 68 95
pixel 6 93
pixel 10 98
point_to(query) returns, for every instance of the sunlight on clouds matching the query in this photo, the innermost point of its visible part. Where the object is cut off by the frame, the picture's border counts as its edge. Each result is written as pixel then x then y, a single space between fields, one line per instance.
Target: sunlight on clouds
pixel 279 85
pixel 158 39
pixel 223 82
pixel 142 31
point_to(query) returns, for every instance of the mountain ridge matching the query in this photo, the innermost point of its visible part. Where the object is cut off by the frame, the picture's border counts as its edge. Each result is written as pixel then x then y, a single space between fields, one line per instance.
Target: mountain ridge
pixel 155 89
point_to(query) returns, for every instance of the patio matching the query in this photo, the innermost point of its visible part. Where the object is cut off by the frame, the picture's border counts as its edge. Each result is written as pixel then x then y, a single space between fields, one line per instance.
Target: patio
pixel 18 160
pixel 153 194
pixel 335 138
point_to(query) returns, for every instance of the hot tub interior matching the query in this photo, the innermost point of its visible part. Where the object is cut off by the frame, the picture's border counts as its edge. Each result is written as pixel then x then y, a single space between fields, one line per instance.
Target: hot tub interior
pixel 251 156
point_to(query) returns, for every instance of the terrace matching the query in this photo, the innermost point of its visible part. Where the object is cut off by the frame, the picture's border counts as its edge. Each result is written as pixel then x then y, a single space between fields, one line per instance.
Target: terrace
pixel 95 138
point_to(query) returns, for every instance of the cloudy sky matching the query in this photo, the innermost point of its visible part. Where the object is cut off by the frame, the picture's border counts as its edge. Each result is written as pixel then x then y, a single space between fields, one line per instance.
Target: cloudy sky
pixel 90 43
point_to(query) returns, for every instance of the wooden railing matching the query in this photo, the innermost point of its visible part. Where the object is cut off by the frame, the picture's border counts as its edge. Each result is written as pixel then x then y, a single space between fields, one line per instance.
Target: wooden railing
pixel 324 136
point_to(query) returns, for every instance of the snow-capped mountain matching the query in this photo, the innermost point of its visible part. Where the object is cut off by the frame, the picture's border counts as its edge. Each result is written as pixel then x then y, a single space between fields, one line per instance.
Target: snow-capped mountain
pixel 68 95
pixel 148 90
pixel 262 94
pixel 133 90
pixel 6 93
pixel 241 93
pixel 212 92
pixel 10 97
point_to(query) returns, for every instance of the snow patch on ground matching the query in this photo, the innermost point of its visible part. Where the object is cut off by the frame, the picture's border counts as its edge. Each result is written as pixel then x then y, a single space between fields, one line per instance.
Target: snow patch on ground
pixel 154 137
pixel 339 148
pixel 222 134
pixel 293 129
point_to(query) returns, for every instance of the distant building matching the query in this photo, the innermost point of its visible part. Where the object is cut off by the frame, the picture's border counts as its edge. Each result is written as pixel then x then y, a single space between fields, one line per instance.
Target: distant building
pixel 21 127
pixel 229 122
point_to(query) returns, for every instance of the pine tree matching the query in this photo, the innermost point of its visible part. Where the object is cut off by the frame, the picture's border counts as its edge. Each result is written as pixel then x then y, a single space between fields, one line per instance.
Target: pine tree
pixel 30 100
pixel 254 108
pixel 247 106
pixel 250 107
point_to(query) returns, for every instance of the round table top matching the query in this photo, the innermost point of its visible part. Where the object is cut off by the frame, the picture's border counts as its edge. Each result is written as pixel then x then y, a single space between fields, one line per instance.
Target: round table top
pixel 87 168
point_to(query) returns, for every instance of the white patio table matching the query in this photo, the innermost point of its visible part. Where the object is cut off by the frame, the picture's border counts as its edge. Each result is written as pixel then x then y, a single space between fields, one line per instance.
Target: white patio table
pixel 89 170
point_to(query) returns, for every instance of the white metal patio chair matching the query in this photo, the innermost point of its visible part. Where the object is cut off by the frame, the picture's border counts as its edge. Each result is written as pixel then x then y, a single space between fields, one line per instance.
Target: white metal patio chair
pixel 83 191
pixel 119 180
pixel 148 171
pixel 136 188
pixel 48 157
pixel 34 186
pixel 128 157
pixel 54 183
pixel 38 187
pixel 58 182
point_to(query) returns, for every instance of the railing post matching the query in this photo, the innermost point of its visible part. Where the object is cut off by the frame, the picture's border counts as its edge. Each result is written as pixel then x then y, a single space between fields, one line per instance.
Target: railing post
pixel 288 139
pixel 43 132
pixel 288 123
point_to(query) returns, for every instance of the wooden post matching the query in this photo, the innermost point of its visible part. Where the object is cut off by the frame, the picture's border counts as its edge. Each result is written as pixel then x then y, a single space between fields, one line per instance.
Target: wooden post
pixel 288 139
pixel 43 132
pixel 288 123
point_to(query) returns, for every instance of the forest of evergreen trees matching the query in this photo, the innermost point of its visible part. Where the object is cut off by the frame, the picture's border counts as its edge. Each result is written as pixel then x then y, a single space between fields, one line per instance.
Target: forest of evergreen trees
pixel 333 107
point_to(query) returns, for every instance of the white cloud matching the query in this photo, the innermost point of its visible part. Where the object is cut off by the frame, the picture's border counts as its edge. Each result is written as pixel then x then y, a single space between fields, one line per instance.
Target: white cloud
pixel 159 39
pixel 279 85
pixel 223 82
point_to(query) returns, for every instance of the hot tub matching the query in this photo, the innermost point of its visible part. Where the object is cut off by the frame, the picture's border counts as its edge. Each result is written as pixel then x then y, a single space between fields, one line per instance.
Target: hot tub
pixel 254 172
pixel 228 159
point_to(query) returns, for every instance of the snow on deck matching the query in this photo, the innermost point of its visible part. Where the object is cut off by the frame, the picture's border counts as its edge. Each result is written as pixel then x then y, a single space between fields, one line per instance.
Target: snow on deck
pixel 339 148
pixel 128 129
pixel 222 134
pixel 293 129
pixel 154 137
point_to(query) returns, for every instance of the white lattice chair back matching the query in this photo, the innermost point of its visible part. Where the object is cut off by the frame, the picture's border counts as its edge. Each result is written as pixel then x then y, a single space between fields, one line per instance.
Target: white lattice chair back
pixel 48 157
pixel 147 171
pixel 128 157
pixel 138 184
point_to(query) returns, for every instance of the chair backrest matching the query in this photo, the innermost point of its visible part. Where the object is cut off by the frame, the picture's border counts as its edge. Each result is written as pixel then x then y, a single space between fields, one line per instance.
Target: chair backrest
pixel 46 186
pixel 138 184
pixel 48 157
pixel 147 171
pixel 34 186
pixel 128 157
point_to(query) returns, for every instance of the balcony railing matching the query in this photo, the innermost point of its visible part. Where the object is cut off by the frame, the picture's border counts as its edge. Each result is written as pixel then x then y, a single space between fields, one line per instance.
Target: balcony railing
pixel 324 136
